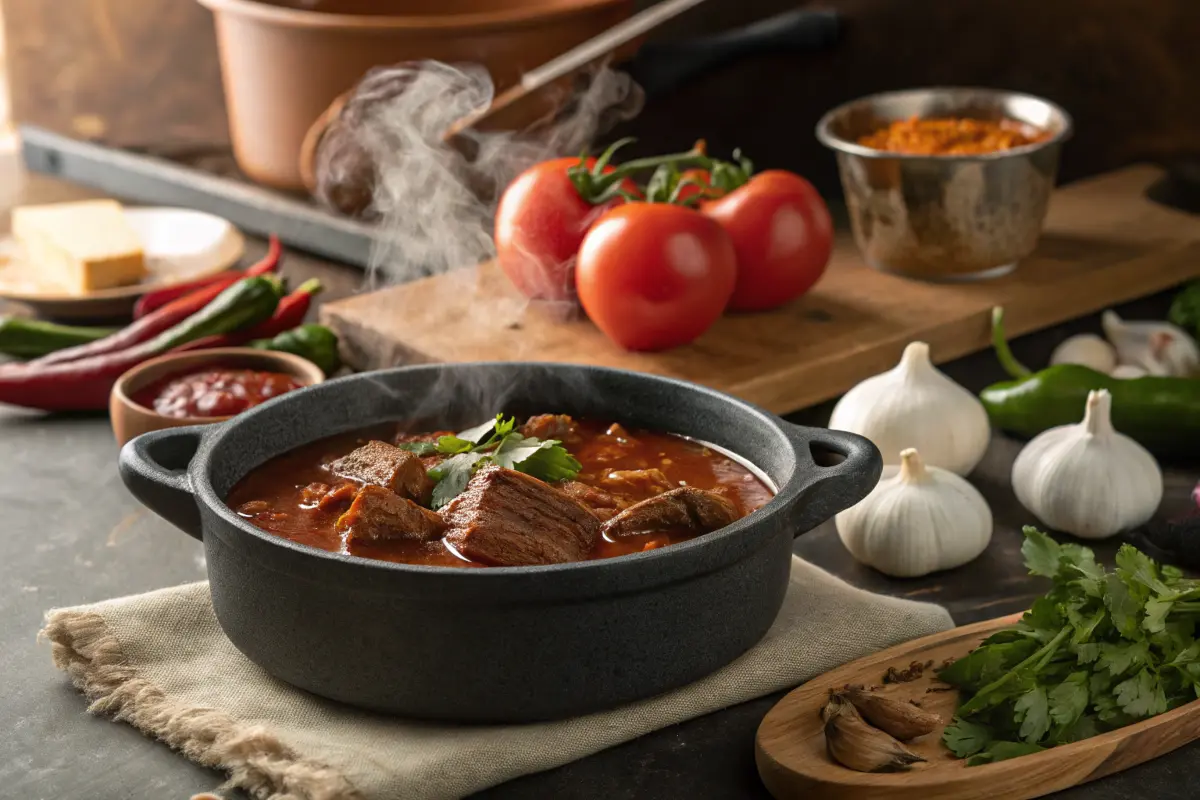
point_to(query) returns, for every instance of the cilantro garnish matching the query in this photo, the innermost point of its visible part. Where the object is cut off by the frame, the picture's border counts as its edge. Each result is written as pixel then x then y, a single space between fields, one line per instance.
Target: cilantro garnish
pixel 493 442
pixel 1100 650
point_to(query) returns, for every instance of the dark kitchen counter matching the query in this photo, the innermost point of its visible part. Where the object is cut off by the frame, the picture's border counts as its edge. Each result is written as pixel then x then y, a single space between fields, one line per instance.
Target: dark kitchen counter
pixel 72 534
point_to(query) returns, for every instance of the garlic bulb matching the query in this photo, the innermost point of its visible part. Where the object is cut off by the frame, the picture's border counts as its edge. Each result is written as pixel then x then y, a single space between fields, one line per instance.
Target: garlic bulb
pixel 1127 372
pixel 917 520
pixel 1088 479
pixel 916 405
pixel 1088 350
pixel 1160 348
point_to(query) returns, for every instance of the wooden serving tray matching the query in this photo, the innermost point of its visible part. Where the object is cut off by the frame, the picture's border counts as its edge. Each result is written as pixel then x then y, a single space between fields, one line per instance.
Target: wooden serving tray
pixel 1105 243
pixel 791 757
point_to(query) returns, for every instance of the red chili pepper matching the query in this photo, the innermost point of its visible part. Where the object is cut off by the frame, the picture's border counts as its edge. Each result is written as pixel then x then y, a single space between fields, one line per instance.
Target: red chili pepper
pixel 288 314
pixel 160 297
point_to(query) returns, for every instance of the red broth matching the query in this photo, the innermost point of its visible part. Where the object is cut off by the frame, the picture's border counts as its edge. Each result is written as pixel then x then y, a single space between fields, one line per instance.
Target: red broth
pixel 273 496
pixel 214 392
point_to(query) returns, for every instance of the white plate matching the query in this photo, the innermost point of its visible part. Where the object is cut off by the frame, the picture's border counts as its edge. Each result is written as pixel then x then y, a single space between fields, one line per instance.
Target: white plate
pixel 180 245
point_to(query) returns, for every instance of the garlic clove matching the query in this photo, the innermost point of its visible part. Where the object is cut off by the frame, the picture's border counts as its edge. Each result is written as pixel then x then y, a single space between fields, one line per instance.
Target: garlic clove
pixel 919 519
pixel 1127 372
pixel 1087 479
pixel 1087 350
pixel 901 719
pixel 916 405
pixel 854 744
pixel 1159 348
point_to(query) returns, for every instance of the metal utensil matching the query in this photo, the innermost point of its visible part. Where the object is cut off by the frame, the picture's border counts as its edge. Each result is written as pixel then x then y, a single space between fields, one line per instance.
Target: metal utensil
pixel 946 217
pixel 591 51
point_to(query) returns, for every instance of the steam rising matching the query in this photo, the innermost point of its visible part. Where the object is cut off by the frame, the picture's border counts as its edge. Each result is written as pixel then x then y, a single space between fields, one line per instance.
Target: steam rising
pixel 436 204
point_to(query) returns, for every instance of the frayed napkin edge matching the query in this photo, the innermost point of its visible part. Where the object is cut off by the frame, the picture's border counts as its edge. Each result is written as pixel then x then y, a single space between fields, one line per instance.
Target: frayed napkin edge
pixel 255 759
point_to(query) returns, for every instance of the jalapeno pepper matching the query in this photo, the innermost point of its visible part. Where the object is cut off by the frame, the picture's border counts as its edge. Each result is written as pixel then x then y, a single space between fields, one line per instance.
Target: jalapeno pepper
pixel 1163 414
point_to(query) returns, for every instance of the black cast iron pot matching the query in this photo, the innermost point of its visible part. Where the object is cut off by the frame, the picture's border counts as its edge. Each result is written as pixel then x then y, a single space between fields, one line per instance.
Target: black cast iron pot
pixel 510 644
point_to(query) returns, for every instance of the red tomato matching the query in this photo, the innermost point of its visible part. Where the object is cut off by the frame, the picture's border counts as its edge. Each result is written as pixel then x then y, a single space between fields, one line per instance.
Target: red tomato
pixel 540 222
pixel 654 275
pixel 783 236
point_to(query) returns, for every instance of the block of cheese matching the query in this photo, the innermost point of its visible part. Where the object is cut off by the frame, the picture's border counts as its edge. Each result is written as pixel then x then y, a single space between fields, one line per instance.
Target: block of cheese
pixel 82 246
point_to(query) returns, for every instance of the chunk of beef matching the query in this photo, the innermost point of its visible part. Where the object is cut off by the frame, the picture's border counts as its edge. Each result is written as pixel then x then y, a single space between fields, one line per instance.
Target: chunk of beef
pixel 550 426
pixel 382 464
pixel 328 498
pixel 601 503
pixel 378 514
pixel 683 508
pixel 639 482
pixel 508 519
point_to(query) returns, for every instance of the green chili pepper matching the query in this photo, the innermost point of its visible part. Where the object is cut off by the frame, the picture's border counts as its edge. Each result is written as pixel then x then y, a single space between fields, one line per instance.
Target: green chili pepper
pixel 315 342
pixel 1163 414
pixel 33 338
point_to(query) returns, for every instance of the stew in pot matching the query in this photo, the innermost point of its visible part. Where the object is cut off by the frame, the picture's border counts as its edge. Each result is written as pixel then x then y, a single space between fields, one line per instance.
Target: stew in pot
pixel 551 491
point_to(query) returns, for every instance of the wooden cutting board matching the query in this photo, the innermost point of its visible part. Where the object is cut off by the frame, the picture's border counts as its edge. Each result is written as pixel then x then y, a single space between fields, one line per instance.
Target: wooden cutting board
pixel 1105 243
pixel 790 745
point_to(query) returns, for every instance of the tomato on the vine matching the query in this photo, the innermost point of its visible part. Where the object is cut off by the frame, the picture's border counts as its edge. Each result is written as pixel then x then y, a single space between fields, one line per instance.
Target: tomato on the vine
pixel 654 275
pixel 783 235
pixel 540 222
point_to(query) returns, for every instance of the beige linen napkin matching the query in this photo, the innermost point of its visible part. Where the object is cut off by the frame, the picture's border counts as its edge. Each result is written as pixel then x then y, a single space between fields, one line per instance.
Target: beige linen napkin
pixel 160 662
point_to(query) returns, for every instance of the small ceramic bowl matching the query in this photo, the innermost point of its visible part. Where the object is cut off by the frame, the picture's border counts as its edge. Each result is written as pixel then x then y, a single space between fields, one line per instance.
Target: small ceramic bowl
pixel 130 419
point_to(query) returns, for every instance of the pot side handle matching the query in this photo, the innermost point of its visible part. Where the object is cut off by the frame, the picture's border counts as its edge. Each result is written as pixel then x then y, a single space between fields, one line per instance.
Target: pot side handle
pixel 154 468
pixel 660 67
pixel 847 467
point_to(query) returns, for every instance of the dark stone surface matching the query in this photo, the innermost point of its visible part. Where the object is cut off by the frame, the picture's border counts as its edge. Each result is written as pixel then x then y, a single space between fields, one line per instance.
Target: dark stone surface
pixel 70 533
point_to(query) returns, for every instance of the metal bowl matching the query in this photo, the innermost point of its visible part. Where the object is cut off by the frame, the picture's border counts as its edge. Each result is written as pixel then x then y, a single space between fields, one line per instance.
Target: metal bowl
pixel 946 217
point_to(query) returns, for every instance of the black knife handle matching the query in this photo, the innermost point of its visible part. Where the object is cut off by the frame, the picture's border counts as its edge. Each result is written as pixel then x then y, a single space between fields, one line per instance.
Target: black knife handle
pixel 660 67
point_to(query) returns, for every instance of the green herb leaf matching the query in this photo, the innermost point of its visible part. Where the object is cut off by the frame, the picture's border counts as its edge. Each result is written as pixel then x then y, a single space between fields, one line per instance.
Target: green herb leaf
pixel 1044 616
pixel 1002 751
pixel 1032 711
pixel 1085 727
pixel 452 476
pixel 1085 626
pixel 1121 657
pixel 1156 614
pixel 1122 607
pixel 1088 652
pixel 479 432
pixel 453 444
pixel 1069 699
pixel 1041 553
pixel 986 663
pixel 420 448
pixel 1136 568
pixel 966 738
pixel 1141 695
pixel 551 464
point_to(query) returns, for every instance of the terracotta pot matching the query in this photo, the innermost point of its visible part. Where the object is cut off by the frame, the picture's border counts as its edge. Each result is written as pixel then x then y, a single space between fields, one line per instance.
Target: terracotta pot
pixel 283 66
pixel 130 419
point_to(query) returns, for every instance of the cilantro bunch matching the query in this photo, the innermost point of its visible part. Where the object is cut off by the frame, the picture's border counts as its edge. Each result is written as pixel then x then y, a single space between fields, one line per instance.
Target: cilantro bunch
pixel 493 442
pixel 1101 650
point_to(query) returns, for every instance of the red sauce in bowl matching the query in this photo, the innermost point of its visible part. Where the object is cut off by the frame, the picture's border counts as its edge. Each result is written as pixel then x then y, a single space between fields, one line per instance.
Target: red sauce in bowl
pixel 214 392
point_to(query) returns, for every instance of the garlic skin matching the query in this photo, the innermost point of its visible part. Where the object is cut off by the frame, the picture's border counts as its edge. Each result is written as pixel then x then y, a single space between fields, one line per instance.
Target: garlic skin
pixel 1087 479
pixel 916 405
pixel 1087 350
pixel 1160 348
pixel 1127 372
pixel 917 520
